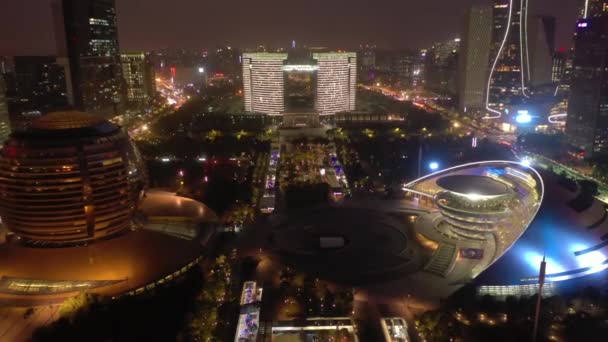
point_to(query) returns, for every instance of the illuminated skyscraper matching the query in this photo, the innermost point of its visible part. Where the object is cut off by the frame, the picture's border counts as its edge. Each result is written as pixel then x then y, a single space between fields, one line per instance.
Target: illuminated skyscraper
pixel 328 78
pixel 5 127
pixel 587 121
pixel 541 38
pixel 92 48
pixel 558 66
pixel 593 8
pixel 510 60
pixel 367 57
pixel 473 59
pixel 336 82
pixel 139 77
pixel 441 67
pixel 263 83
pixel 36 85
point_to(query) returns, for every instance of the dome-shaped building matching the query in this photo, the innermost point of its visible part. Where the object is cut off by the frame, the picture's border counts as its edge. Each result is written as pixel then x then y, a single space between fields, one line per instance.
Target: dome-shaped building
pixel 70 187
pixel 488 224
pixel 71 178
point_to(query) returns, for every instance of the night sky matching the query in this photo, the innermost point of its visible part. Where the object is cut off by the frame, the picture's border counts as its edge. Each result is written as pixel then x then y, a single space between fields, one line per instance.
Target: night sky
pixel 26 26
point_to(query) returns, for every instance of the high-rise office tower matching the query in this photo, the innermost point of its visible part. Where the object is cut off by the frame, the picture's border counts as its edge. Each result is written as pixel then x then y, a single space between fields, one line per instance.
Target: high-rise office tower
pixel 6 66
pixel 5 127
pixel 587 121
pixel 139 77
pixel 276 82
pixel 593 8
pixel 150 75
pixel 263 83
pixel 541 39
pixel 474 56
pixel 35 85
pixel 404 64
pixel 441 66
pixel 336 82
pixel 367 57
pixel 392 67
pixel 509 77
pixel 92 48
pixel 224 60
pixel 558 66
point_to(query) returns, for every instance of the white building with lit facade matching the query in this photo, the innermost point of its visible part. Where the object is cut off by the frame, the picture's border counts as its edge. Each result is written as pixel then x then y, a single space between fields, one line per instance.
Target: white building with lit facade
pixel 336 82
pixel 300 82
pixel 263 84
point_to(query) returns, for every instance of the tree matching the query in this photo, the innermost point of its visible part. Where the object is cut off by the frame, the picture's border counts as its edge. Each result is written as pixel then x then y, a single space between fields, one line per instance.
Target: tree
pixel 589 186
pixel 74 305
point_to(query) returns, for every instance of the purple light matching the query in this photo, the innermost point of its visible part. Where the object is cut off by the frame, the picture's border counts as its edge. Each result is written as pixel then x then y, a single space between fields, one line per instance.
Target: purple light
pixel 583 24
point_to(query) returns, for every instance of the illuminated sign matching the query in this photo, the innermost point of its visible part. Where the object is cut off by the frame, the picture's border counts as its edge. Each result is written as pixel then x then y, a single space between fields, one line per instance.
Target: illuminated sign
pixel 308 68
pixel 583 24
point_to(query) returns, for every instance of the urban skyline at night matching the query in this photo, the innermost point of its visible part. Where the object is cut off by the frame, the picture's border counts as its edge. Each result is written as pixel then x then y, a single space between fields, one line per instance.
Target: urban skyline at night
pixel 329 171
pixel 196 24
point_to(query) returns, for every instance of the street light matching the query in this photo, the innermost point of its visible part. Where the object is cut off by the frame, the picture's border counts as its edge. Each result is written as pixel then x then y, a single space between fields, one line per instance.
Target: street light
pixel 434 166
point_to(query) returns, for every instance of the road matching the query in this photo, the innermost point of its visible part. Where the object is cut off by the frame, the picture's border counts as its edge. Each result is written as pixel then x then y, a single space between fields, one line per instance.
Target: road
pixel 15 328
pixel 169 90
pixel 480 128
pixel 175 96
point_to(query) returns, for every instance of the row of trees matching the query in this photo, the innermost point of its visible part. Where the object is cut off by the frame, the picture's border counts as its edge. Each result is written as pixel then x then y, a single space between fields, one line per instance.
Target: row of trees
pixel 158 315
pixel 306 296
pixel 578 317
pixel 216 304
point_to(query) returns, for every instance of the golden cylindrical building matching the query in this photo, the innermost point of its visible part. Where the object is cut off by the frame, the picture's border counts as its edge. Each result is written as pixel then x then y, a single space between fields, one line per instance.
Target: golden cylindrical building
pixel 71 178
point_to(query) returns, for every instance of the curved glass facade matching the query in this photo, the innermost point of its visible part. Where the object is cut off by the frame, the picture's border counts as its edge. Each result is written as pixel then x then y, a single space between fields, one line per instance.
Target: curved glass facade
pixel 474 216
pixel 69 181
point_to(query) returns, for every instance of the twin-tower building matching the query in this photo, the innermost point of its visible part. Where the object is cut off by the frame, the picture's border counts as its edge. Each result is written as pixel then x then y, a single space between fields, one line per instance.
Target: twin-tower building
pixel 299 81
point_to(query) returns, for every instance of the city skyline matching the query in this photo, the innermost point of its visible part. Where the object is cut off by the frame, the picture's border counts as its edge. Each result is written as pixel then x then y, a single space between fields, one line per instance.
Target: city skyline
pixel 327 171
pixel 201 25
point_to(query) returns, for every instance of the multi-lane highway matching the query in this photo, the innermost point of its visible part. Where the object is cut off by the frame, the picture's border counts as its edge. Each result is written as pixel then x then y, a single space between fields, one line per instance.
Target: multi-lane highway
pixel 479 128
